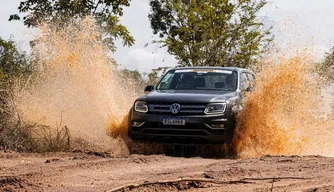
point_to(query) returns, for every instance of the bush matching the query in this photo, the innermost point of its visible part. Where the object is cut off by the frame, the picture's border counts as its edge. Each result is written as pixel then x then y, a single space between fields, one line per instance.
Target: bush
pixel 14 133
pixel 21 136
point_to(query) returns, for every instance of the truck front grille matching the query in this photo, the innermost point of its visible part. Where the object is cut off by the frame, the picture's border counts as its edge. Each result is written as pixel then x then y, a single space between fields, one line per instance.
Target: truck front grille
pixel 189 129
pixel 186 109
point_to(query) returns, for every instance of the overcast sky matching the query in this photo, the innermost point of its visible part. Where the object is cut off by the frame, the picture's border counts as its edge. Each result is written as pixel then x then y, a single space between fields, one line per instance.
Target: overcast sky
pixel 299 23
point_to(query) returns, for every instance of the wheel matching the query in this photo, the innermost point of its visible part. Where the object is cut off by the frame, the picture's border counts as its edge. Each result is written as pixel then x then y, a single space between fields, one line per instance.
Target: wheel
pixel 145 148
pixel 230 133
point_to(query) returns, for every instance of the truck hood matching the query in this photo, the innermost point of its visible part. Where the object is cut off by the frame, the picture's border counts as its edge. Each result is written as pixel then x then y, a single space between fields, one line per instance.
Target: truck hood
pixel 187 96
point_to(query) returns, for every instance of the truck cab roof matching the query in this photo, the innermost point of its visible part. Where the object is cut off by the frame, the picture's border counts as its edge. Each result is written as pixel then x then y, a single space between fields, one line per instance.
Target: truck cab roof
pixel 213 67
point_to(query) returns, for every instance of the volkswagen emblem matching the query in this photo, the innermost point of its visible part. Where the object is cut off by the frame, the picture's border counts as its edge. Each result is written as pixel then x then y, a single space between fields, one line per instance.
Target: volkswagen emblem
pixel 175 108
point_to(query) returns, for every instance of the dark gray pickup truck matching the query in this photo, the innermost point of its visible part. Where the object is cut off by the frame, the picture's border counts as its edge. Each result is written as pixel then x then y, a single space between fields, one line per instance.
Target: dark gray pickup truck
pixel 191 105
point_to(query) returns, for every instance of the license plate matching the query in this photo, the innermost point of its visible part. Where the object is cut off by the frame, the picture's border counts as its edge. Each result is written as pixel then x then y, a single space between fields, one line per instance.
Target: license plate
pixel 173 121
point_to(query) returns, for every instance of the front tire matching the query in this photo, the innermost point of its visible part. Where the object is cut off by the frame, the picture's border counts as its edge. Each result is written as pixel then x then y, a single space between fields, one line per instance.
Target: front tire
pixel 230 133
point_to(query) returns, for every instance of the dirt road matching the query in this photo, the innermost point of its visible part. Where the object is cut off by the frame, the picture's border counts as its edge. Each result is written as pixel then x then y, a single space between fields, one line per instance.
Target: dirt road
pixel 102 172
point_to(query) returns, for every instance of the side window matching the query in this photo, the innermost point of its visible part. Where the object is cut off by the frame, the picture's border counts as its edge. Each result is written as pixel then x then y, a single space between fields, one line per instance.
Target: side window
pixel 244 81
pixel 166 81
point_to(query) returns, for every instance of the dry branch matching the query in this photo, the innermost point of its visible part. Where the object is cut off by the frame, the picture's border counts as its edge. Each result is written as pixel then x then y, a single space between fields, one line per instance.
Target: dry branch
pixel 242 181
pixel 275 178
pixel 272 186
pixel 131 186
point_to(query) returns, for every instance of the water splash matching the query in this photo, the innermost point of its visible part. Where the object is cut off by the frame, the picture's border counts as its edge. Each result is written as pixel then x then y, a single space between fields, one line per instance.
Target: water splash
pixel 76 84
pixel 284 115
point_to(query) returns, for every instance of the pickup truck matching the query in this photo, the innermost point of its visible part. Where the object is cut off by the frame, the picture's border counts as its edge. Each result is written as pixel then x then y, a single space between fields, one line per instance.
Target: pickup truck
pixel 191 105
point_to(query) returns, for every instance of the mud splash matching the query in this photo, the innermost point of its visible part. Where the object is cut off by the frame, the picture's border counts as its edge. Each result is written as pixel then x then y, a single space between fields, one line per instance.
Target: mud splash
pixel 284 115
pixel 76 84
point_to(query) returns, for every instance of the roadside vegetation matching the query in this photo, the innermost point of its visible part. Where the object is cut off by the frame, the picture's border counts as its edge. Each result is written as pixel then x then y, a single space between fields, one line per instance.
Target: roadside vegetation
pixel 211 32
pixel 326 68
pixel 196 32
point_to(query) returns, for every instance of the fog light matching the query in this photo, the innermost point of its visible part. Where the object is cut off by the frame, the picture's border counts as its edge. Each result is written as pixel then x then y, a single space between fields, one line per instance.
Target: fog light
pixel 217 125
pixel 137 123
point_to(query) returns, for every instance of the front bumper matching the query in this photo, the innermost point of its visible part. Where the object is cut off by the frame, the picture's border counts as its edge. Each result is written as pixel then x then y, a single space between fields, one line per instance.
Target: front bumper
pixel 197 128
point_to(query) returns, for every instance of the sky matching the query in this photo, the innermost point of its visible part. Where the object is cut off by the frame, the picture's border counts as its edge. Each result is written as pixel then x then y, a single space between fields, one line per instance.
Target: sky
pixel 296 23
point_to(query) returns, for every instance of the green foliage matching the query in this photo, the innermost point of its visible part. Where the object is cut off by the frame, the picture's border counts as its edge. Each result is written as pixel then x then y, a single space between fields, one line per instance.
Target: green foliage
pixel 326 68
pixel 12 62
pixel 14 133
pixel 105 12
pixel 211 32
pixel 133 75
pixel 2 76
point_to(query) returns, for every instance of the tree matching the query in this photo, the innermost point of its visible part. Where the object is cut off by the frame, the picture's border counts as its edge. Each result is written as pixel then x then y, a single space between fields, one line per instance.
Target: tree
pixel 211 32
pixel 326 68
pixel 12 62
pixel 134 75
pixel 105 12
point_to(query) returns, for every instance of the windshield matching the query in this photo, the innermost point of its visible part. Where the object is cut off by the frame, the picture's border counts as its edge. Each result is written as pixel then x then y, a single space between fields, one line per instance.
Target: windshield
pixel 199 79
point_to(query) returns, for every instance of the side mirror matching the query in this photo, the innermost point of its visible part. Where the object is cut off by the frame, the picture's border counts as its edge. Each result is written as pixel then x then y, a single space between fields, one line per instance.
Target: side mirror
pixel 148 89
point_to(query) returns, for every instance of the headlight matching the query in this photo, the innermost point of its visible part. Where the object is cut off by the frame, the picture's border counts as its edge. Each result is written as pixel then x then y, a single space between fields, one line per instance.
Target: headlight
pixel 141 106
pixel 215 108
